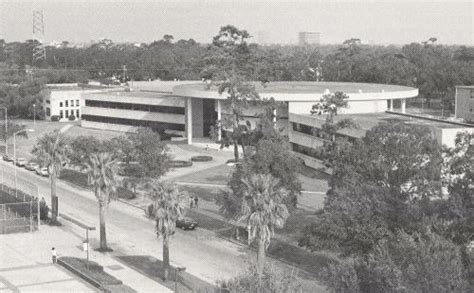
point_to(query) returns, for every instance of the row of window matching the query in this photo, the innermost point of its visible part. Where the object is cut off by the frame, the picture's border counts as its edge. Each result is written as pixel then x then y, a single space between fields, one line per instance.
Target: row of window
pixel 61 113
pixel 66 103
pixel 316 153
pixel 316 132
pixel 158 126
pixel 136 107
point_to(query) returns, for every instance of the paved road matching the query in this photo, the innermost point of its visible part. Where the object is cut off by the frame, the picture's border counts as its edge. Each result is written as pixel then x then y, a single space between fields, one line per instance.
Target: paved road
pixel 200 251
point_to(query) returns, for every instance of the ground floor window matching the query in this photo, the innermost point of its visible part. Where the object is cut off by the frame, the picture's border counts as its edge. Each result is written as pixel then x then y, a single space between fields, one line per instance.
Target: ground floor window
pixel 48 111
pixel 67 113
pixel 77 114
pixel 158 126
pixel 316 153
pixel 61 116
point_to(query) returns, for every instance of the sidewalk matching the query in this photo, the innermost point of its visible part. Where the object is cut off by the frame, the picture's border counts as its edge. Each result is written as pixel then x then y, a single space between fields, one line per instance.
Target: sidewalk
pixel 25 263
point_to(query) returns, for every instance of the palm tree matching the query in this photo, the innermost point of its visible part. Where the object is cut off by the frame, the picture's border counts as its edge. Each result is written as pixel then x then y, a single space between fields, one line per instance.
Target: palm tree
pixel 101 169
pixel 263 210
pixel 51 151
pixel 167 207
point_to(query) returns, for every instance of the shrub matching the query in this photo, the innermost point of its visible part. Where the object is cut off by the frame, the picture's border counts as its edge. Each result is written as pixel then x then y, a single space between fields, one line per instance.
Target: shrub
pixel 180 164
pixel 95 271
pixel 273 280
pixel 125 193
pixel 201 158
pixel 55 118
pixel 72 117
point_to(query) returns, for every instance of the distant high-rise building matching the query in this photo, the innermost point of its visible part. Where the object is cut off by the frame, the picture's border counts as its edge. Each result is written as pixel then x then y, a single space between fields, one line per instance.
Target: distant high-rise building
pixel 309 38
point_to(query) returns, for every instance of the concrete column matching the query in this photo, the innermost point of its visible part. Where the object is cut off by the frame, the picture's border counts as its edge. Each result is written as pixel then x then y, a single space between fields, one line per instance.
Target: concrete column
pixel 189 120
pixel 403 107
pixel 219 119
pixel 391 104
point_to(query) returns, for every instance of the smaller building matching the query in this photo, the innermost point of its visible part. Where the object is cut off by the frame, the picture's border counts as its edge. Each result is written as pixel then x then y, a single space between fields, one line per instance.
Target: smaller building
pixel 65 101
pixel 464 108
pixel 309 38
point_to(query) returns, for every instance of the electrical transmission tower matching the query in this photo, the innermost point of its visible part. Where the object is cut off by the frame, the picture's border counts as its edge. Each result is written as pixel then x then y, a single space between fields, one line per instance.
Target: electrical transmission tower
pixel 39 51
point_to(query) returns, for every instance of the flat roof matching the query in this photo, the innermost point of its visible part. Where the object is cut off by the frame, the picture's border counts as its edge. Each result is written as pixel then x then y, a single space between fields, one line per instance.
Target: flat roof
pixel 368 121
pixel 312 87
pixel 465 86
pixel 135 94
pixel 302 91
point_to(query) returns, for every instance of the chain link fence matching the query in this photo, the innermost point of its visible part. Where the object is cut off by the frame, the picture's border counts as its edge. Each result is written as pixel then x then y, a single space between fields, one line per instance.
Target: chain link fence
pixel 20 206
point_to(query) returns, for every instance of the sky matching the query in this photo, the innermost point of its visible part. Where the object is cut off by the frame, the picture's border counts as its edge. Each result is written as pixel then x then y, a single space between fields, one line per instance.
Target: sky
pixel 377 22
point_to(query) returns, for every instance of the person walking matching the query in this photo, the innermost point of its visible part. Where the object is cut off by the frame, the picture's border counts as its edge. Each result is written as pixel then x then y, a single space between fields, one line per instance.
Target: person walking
pixel 196 200
pixel 191 202
pixel 54 255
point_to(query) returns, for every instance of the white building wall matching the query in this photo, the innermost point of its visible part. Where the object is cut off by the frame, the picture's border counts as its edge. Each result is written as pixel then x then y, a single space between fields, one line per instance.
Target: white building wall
pixel 56 97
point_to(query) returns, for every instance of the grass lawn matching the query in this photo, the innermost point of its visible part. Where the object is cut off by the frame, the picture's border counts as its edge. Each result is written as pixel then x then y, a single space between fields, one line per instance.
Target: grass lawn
pixel 77 130
pixel 80 179
pixel 153 268
pixel 214 175
pixel 203 192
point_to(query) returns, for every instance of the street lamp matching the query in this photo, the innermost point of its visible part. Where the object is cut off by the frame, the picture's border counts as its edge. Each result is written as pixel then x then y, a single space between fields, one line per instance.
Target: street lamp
pixel 6 128
pixel 34 115
pixel 14 152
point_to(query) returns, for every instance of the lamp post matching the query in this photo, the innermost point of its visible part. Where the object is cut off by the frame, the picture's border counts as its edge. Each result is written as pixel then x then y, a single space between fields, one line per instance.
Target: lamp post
pixel 6 128
pixel 34 115
pixel 14 152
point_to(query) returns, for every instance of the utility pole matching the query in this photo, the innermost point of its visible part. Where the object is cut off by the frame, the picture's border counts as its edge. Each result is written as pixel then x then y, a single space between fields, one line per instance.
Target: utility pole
pixel 39 51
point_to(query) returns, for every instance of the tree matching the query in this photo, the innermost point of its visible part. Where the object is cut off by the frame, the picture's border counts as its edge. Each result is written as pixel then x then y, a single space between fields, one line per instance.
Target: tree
pixel 263 211
pixel 82 147
pixel 52 151
pixel 330 104
pixel 149 151
pixel 239 94
pixel 12 128
pixel 412 263
pixel 380 184
pixel 168 206
pixel 101 169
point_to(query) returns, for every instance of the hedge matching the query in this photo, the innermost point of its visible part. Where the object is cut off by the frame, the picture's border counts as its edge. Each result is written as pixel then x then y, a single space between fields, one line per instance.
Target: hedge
pixel 201 158
pixel 180 164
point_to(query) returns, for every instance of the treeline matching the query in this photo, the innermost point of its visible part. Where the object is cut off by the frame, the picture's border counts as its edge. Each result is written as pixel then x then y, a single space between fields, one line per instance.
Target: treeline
pixel 434 69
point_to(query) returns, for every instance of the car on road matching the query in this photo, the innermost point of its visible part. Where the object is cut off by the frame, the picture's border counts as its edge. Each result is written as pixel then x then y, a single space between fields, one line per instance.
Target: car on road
pixel 43 171
pixel 186 224
pixel 32 166
pixel 8 157
pixel 21 162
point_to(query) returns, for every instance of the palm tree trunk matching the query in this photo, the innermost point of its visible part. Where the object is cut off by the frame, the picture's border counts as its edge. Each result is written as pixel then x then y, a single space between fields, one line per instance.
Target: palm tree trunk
pixel 103 235
pixel 54 199
pixel 260 257
pixel 166 256
pixel 235 125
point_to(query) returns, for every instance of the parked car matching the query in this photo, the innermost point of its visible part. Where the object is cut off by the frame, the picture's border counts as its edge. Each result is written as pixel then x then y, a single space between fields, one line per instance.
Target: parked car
pixel 8 157
pixel 32 166
pixel 43 171
pixel 21 162
pixel 186 224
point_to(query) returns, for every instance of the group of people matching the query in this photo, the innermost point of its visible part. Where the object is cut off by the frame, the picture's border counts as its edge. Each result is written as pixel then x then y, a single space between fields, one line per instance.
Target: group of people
pixel 193 201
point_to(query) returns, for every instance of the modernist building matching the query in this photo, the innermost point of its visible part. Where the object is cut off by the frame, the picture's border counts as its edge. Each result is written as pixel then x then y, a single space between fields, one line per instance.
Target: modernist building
pixel 191 109
pixel 464 108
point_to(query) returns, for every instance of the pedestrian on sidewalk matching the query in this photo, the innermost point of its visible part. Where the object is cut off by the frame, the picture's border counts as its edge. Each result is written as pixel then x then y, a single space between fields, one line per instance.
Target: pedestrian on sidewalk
pixel 191 202
pixel 196 200
pixel 54 255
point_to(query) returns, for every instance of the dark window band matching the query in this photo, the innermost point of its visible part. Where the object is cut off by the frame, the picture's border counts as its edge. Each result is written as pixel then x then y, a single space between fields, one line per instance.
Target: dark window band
pixel 159 126
pixel 135 107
